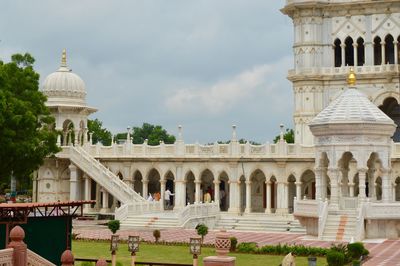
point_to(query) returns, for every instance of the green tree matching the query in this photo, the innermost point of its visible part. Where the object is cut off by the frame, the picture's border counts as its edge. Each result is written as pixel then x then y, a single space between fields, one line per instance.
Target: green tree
pixel 100 134
pixel 153 133
pixel 27 132
pixel 288 136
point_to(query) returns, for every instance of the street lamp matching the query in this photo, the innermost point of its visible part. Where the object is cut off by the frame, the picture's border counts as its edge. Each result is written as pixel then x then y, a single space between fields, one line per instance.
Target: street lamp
pixel 113 249
pixel 195 249
pixel 133 247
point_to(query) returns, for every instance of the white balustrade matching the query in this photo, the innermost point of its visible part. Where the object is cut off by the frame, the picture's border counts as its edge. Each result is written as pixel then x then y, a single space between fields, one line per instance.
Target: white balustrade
pixel 323 215
pixel 36 260
pixel 308 208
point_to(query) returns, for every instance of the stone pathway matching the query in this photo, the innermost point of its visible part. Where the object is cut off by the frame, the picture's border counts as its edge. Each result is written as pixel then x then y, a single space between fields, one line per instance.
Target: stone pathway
pixel 386 253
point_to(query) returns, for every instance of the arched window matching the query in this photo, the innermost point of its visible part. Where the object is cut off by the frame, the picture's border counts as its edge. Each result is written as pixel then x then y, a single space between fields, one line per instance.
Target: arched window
pixel 389 49
pixel 349 52
pixel 338 53
pixel 360 52
pixel 377 51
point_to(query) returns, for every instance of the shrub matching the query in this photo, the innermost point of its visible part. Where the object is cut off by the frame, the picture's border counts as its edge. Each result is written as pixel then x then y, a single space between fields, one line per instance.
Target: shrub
pixel 356 263
pixel 86 263
pixel 335 258
pixel 355 250
pixel 113 225
pixel 157 235
pixel 247 247
pixel 233 243
pixel 202 230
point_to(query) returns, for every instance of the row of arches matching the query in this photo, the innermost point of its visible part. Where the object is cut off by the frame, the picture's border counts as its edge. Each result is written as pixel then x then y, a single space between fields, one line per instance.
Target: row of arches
pixel 352 52
pixel 71 134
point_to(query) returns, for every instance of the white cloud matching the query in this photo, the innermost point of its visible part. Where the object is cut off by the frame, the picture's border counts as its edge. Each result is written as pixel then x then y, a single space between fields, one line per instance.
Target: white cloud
pixel 226 94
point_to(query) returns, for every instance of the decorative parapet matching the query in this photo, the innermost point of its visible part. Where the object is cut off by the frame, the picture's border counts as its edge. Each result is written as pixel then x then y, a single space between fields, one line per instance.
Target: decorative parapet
pixel 306 208
pixel 36 260
pixel 378 69
pixel 6 257
pixel 380 210
pixel 197 210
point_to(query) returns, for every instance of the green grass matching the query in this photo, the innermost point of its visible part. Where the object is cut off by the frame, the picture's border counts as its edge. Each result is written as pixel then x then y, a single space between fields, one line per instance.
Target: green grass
pixel 172 254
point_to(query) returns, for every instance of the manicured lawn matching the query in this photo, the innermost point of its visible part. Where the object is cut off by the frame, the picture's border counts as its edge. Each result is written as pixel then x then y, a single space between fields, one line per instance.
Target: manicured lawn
pixel 172 254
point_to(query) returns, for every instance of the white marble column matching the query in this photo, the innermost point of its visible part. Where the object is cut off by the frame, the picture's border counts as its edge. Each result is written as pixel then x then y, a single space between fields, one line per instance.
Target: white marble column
pixel 162 183
pixel 248 197
pixel 234 197
pixel 361 183
pixel 180 195
pixel 268 209
pixel 371 184
pixel 334 176
pixel 396 52
pixel 73 182
pixel 393 191
pixel 386 187
pixel 197 194
pixel 98 192
pixel 76 140
pixel 355 53
pixel 216 191
pixel 282 197
pixel 343 46
pixel 351 189
pixel 104 207
pixel 383 53
pixel 319 184
pixel 298 190
pixel 145 188
pixel 88 192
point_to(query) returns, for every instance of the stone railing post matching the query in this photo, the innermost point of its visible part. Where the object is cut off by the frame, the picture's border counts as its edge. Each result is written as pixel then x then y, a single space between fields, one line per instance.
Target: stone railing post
pixel 67 258
pixel 222 246
pixel 20 255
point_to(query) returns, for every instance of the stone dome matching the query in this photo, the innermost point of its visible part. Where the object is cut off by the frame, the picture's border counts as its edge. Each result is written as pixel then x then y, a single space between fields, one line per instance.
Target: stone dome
pixel 351 107
pixel 64 87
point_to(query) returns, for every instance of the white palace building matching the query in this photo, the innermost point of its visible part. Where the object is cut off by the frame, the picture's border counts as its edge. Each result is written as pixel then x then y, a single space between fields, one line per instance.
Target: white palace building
pixel 339 180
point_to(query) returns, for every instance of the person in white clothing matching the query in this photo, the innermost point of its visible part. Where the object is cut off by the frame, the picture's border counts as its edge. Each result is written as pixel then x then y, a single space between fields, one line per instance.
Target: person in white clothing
pixel 149 198
pixel 167 198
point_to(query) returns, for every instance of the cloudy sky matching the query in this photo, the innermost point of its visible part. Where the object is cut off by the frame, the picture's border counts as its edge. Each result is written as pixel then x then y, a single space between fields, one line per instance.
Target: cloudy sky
pixel 204 64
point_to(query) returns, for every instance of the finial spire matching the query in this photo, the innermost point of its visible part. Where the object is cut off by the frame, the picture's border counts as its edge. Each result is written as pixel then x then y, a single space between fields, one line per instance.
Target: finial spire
pixel 351 79
pixel 64 58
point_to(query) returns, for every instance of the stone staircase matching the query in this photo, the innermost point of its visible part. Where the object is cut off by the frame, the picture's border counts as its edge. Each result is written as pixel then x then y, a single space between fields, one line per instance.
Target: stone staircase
pixel 340 225
pixel 260 222
pixel 156 221
pixel 103 176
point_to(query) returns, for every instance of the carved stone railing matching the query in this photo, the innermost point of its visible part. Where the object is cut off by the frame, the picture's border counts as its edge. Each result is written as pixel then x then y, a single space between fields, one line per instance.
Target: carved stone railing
pixel 323 215
pixel 360 232
pixel 306 208
pixel 138 208
pixel 6 257
pixel 344 70
pixel 197 210
pixel 102 175
pixel 375 210
pixel 36 260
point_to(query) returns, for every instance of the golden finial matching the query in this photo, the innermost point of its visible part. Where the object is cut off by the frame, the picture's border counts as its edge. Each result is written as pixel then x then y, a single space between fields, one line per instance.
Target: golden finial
pixel 64 58
pixel 351 79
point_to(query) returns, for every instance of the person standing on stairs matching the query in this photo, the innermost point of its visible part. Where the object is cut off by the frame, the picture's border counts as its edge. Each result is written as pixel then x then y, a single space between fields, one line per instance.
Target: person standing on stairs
pixel 167 198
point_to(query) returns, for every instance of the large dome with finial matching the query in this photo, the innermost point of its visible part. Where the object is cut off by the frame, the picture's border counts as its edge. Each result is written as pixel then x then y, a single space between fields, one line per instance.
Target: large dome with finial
pixel 64 87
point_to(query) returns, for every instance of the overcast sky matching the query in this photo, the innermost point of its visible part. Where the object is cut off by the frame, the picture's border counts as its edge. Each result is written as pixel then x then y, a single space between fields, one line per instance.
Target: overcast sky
pixel 204 64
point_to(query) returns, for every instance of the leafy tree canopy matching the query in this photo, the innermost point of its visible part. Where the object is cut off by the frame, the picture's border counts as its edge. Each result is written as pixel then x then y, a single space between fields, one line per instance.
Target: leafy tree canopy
pixel 153 133
pixel 26 125
pixel 100 134
pixel 288 136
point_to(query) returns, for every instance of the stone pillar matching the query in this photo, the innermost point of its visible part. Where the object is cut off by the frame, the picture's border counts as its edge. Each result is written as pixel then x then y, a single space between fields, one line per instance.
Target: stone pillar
pixel 319 175
pixel 361 183
pixel 180 194
pixel 343 46
pixel 76 140
pixel 334 176
pixel 298 190
pixel 88 192
pixel 383 53
pixel 20 255
pixel 248 197
pixel 234 197
pixel 371 184
pixel 268 209
pixel 162 183
pixel 197 195
pixel 104 208
pixel 386 187
pixel 216 191
pixel 393 191
pixel 145 188
pixel 282 197
pixel 98 192
pixel 355 53
pixel 73 182
pixel 351 189
pixel 396 52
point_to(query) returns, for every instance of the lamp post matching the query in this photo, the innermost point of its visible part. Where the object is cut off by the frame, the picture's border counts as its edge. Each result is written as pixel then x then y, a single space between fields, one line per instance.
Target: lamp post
pixel 133 247
pixel 113 249
pixel 195 249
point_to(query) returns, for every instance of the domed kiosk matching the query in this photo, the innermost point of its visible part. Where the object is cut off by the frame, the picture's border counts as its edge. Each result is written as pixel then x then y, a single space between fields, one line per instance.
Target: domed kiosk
pixel 66 98
pixel 352 158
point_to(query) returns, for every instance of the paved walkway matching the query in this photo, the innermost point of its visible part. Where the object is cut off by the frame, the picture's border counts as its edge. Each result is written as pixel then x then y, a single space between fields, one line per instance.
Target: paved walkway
pixel 386 253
